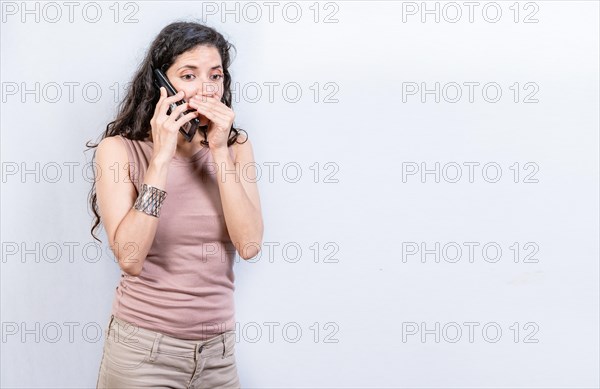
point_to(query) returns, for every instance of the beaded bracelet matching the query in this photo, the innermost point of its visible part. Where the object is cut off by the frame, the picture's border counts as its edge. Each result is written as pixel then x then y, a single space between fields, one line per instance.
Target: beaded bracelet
pixel 150 200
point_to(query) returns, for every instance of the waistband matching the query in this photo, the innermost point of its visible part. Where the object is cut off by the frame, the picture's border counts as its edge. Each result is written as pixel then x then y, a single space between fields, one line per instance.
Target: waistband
pixel 142 338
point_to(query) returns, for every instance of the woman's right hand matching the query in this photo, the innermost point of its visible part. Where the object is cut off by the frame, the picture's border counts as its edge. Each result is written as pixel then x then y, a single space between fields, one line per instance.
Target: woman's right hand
pixel 165 128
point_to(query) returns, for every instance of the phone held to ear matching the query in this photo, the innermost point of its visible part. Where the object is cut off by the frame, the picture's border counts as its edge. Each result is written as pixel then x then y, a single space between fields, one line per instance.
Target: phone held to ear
pixel 188 130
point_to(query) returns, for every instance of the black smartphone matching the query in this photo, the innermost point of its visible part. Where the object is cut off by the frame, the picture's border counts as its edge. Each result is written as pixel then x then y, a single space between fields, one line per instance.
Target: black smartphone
pixel 188 130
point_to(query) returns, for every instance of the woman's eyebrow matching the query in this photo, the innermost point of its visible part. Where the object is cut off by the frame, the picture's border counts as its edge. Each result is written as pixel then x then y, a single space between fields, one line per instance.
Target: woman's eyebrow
pixel 194 67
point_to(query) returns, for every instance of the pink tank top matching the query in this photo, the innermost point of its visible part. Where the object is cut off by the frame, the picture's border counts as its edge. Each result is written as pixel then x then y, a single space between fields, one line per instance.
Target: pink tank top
pixel 186 287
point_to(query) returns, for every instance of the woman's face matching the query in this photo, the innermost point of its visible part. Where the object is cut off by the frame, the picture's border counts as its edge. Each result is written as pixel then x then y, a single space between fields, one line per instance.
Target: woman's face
pixel 198 72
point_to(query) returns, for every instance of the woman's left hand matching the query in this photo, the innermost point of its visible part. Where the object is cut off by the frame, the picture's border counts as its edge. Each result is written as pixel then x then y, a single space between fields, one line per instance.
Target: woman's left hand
pixel 220 119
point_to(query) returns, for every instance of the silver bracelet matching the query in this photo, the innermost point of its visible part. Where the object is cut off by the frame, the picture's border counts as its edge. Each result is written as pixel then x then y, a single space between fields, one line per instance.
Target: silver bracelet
pixel 150 200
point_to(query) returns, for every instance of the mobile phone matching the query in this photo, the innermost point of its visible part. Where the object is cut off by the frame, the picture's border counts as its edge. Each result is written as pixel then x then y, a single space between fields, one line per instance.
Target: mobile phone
pixel 188 130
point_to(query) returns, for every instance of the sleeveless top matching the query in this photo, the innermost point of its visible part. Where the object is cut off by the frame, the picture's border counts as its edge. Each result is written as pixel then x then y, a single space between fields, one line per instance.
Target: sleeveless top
pixel 185 289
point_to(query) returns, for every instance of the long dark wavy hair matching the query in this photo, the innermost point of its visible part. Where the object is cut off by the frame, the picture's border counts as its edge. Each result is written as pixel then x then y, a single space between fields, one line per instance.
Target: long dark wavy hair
pixel 137 108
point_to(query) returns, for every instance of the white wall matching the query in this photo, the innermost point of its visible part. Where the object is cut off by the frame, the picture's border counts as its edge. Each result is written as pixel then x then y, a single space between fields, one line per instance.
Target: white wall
pixel 360 317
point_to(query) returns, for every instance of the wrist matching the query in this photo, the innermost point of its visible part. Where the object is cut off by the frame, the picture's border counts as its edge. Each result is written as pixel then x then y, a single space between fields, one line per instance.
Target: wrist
pixel 220 152
pixel 159 161
pixel 150 200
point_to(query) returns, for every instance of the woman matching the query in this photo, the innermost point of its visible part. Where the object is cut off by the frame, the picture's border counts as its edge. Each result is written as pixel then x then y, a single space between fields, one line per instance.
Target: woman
pixel 172 321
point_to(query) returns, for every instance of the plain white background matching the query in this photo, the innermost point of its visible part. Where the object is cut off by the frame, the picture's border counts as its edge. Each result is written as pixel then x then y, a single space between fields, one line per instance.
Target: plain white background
pixel 372 314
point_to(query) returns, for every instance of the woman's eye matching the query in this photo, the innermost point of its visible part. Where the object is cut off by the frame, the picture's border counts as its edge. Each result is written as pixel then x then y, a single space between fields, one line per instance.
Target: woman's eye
pixel 218 76
pixel 187 75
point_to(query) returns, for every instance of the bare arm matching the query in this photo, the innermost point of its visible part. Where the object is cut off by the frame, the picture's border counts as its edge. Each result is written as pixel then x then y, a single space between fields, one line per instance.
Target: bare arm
pixel 240 198
pixel 130 232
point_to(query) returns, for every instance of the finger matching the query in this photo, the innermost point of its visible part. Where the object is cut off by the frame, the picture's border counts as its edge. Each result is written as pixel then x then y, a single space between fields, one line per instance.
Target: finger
pixel 206 107
pixel 186 118
pixel 163 94
pixel 164 107
pixel 217 112
pixel 210 101
pixel 216 118
pixel 181 108
pixel 205 111
pixel 166 103
pixel 222 110
pixel 176 97
pixel 205 98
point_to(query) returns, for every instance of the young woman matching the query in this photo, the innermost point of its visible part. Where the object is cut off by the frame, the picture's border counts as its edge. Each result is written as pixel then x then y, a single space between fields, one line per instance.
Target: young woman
pixel 175 213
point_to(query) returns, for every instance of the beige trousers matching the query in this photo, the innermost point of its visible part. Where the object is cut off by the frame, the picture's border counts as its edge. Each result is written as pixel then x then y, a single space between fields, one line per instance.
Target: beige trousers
pixel 135 357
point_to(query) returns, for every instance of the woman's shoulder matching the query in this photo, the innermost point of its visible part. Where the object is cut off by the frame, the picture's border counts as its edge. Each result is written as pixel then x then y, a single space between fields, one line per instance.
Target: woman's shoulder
pixel 122 142
pixel 111 145
pixel 111 151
